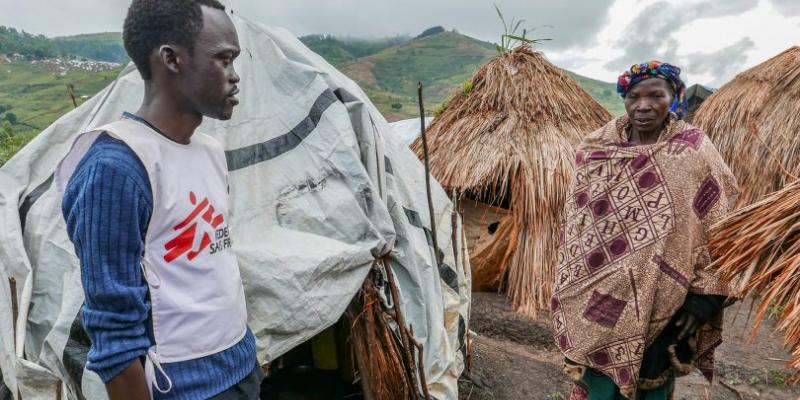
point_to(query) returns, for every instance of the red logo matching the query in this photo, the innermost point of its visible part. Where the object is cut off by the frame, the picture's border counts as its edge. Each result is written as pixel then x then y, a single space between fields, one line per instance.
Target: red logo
pixel 184 242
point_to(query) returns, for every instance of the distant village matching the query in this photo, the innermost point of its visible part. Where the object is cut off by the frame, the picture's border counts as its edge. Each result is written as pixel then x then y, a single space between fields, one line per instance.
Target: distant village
pixel 61 66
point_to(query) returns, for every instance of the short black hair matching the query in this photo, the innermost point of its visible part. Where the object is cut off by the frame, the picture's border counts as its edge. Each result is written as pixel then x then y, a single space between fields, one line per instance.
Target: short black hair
pixel 153 23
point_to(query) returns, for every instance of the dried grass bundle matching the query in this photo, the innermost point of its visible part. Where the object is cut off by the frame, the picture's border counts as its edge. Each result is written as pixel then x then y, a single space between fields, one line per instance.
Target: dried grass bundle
pixel 758 251
pixel 376 349
pixel 754 120
pixel 516 132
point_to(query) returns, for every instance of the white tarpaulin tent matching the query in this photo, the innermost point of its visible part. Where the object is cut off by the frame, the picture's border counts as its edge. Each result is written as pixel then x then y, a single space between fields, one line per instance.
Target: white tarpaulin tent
pixel 408 129
pixel 320 188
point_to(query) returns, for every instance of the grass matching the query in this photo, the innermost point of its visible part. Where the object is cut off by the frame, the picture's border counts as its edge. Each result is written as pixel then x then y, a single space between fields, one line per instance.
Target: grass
pixel 778 378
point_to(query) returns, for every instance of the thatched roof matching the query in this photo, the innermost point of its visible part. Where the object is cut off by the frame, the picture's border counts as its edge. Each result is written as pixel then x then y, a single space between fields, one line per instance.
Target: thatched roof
pixel 754 120
pixel 516 131
pixel 758 251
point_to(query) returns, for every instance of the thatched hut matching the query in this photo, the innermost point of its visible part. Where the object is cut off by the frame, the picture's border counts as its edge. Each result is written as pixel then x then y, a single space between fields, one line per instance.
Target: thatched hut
pixel 505 146
pixel 754 120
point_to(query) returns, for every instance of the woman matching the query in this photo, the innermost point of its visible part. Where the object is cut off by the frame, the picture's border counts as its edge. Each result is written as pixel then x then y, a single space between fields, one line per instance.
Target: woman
pixel 634 306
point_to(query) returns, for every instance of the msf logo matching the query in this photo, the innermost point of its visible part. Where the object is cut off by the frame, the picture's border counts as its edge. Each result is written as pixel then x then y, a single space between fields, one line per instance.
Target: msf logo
pixel 188 241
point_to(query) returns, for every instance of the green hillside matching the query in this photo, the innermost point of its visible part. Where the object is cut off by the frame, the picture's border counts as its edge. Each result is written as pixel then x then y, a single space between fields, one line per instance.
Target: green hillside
pixel 341 51
pixel 442 62
pixel 604 92
pixel 389 69
pixel 33 96
pixel 96 46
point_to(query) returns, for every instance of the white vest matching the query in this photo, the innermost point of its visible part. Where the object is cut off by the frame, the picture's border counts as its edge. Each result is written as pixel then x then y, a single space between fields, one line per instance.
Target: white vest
pixel 196 292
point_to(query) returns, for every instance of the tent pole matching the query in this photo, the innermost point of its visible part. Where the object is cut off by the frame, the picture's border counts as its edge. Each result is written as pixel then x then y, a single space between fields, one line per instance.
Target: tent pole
pixel 436 252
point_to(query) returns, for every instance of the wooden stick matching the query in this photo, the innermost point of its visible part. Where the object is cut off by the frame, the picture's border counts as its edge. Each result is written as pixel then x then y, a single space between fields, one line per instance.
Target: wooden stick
pixel 401 322
pixel 420 357
pixel 428 176
pixel 71 90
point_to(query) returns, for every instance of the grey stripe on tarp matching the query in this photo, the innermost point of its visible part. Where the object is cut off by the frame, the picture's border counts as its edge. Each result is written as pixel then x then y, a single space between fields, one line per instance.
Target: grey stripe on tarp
pixel 446 272
pixel 344 96
pixel 462 335
pixel 388 165
pixel 30 199
pixel 75 353
pixel 250 155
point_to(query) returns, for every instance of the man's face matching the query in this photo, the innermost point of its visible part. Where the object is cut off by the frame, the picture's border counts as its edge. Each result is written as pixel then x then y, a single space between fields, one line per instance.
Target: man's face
pixel 209 79
pixel 648 104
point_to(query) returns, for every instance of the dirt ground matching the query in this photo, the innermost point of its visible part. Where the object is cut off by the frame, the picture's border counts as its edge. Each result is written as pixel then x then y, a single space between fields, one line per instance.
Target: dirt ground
pixel 514 357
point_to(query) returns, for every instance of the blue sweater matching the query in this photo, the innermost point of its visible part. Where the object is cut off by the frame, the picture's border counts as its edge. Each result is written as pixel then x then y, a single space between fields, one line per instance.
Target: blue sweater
pixel 107 206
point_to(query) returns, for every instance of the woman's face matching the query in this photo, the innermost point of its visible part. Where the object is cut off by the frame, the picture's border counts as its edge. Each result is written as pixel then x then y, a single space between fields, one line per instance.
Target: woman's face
pixel 647 104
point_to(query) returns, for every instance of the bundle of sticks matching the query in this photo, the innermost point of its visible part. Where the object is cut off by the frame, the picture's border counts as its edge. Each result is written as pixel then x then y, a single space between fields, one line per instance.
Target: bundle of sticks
pixel 758 252
pixel 388 357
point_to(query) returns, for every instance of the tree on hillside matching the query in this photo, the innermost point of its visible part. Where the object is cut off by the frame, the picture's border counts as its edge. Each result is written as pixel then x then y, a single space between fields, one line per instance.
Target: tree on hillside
pixel 12 118
pixel 30 46
pixel 7 131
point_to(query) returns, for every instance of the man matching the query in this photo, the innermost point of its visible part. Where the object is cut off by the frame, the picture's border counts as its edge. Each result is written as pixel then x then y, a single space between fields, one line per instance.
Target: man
pixel 146 204
pixel 634 305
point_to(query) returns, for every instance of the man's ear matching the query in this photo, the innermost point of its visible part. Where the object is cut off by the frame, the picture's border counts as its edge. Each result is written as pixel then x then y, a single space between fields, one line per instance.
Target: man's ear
pixel 169 57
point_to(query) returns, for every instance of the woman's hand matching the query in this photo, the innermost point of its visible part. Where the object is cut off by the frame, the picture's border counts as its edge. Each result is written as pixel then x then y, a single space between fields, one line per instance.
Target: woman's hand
pixel 688 325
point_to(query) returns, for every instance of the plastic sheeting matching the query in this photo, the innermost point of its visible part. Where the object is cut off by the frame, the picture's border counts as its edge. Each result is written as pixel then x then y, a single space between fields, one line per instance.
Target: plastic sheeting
pixel 408 129
pixel 320 188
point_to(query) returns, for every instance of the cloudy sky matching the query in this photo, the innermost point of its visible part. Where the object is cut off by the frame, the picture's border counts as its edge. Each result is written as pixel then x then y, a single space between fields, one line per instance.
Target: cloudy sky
pixel 712 40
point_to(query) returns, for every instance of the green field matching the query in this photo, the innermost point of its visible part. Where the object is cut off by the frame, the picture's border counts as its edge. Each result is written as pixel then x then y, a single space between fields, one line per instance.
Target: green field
pixel 34 98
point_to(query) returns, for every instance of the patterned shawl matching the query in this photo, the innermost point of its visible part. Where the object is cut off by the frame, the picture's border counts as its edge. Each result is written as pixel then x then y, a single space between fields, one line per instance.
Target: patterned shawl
pixel 633 244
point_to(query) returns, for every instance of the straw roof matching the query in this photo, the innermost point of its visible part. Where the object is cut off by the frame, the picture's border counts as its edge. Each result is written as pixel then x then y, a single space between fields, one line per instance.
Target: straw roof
pixel 515 133
pixel 754 121
pixel 758 251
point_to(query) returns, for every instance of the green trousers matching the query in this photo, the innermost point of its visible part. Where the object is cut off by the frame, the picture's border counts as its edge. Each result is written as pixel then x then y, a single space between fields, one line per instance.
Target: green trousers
pixel 596 386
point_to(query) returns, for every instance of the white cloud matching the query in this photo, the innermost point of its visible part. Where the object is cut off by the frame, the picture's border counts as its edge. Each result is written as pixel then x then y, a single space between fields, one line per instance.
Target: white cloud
pixel 711 45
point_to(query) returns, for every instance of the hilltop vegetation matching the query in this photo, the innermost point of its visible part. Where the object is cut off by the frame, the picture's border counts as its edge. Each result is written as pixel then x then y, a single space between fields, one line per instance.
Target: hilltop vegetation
pixel 97 46
pixel 29 45
pixel 341 51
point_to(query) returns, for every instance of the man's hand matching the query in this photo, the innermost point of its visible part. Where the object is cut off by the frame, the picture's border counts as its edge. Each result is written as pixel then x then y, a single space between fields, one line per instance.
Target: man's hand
pixel 688 325
pixel 131 384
